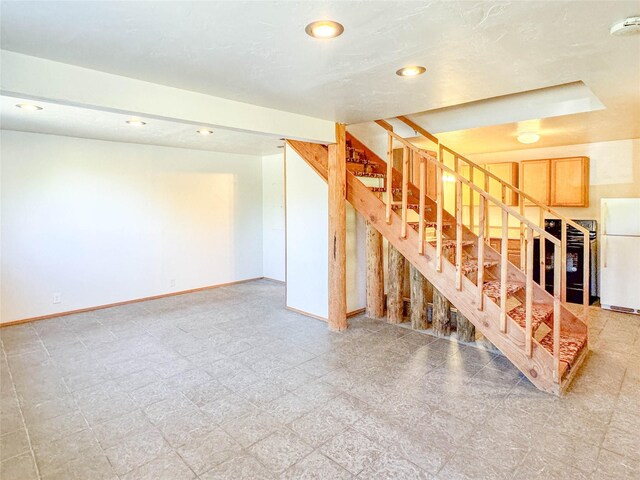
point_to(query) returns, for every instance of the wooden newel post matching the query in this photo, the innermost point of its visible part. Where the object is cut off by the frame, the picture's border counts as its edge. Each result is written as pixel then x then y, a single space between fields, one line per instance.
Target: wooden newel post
pixel 337 181
pixel 466 329
pixel 395 289
pixel 421 294
pixel 375 273
pixel 441 319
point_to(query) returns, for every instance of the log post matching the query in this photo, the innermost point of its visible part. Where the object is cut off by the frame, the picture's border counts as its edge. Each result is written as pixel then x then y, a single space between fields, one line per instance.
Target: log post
pixel 395 289
pixel 375 273
pixel 421 291
pixel 337 318
pixel 466 329
pixel 441 319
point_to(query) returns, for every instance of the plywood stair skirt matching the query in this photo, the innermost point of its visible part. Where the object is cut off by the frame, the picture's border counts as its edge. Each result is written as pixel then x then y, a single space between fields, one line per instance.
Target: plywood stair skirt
pixel 532 328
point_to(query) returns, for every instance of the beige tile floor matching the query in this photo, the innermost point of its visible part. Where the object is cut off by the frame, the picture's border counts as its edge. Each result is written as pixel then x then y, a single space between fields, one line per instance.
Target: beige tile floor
pixel 227 384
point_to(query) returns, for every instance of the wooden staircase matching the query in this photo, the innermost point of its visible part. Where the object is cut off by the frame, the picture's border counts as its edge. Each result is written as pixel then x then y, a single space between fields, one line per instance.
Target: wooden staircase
pixel 534 329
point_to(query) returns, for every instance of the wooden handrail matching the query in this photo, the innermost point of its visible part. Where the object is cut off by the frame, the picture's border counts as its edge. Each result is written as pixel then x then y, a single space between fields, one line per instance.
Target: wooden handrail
pixel 474 187
pixel 418 129
pixel 516 190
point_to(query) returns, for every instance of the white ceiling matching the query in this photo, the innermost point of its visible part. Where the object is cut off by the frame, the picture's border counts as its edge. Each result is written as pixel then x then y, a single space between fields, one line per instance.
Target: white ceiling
pixel 88 123
pixel 257 52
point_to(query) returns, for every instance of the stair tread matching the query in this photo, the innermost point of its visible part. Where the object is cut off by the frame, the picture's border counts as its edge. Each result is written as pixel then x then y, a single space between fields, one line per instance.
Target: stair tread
pixel 541 312
pixel 384 189
pixel 369 174
pixel 471 265
pixel 429 224
pixel 492 289
pixel 451 243
pixel 397 206
pixel 570 346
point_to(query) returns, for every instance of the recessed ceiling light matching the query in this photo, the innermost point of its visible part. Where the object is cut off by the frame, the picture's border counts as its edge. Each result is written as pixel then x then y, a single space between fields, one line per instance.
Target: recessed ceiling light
pixel 29 106
pixel 324 29
pixel 411 71
pixel 136 122
pixel 204 131
pixel 528 137
pixel 628 26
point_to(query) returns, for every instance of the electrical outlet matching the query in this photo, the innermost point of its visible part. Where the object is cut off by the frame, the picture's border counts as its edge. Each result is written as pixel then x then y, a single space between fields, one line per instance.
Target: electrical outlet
pixel 57 298
pixel 172 282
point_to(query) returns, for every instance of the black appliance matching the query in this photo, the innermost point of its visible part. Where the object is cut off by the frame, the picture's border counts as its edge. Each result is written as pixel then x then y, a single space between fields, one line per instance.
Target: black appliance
pixel 575 251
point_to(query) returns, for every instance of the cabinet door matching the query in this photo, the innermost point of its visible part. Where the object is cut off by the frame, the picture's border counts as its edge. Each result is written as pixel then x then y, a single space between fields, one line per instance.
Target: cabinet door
pixel 534 180
pixel 507 171
pixel 570 182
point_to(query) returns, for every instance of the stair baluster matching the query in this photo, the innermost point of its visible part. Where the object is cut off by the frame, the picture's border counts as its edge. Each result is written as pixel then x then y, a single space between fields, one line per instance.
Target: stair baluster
pixel 556 311
pixel 504 260
pixel 389 177
pixel 529 295
pixel 458 227
pixel 423 180
pixel 481 243
pixel 405 188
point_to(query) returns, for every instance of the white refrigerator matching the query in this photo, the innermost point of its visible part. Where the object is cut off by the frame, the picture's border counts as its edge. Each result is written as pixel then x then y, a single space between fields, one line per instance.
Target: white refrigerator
pixel 620 254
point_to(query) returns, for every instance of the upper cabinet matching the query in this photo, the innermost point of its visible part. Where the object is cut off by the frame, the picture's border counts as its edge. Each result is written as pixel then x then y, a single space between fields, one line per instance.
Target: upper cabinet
pixel 557 182
pixel 570 182
pixel 507 171
pixel 534 180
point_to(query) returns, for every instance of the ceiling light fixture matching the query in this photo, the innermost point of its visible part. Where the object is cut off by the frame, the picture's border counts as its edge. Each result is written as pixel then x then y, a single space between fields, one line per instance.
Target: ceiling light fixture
pixel 204 131
pixel 626 27
pixel 136 122
pixel 29 107
pixel 411 71
pixel 324 29
pixel 528 137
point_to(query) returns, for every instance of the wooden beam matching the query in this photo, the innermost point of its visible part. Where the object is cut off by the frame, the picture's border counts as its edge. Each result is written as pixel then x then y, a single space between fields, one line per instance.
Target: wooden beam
pixel 386 125
pixel 337 232
pixel 375 273
pixel 421 294
pixel 441 318
pixel 418 129
pixel 395 293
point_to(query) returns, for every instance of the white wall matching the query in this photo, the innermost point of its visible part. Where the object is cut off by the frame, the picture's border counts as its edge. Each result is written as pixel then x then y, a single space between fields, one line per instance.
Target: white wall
pixel 104 222
pixel 273 238
pixel 307 242
pixel 614 170
pixel 307 237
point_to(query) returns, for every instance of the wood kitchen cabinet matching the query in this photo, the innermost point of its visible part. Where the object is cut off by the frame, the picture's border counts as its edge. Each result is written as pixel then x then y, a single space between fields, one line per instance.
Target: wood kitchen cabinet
pixel 570 182
pixel 535 180
pixel 558 182
pixel 507 171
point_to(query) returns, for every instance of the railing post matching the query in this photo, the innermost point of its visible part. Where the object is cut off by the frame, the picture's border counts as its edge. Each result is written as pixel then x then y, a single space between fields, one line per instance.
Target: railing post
pixel 471 202
pixel 458 226
pixel 556 311
pixel 389 176
pixel 523 261
pixel 504 253
pixel 543 252
pixel 405 189
pixel 481 235
pixel 421 212
pixel 586 279
pixel 487 227
pixel 563 257
pixel 529 295
pixel 439 201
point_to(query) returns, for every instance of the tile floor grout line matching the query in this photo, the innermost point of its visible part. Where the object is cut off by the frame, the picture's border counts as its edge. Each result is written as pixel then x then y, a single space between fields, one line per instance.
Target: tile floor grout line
pixel 24 423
